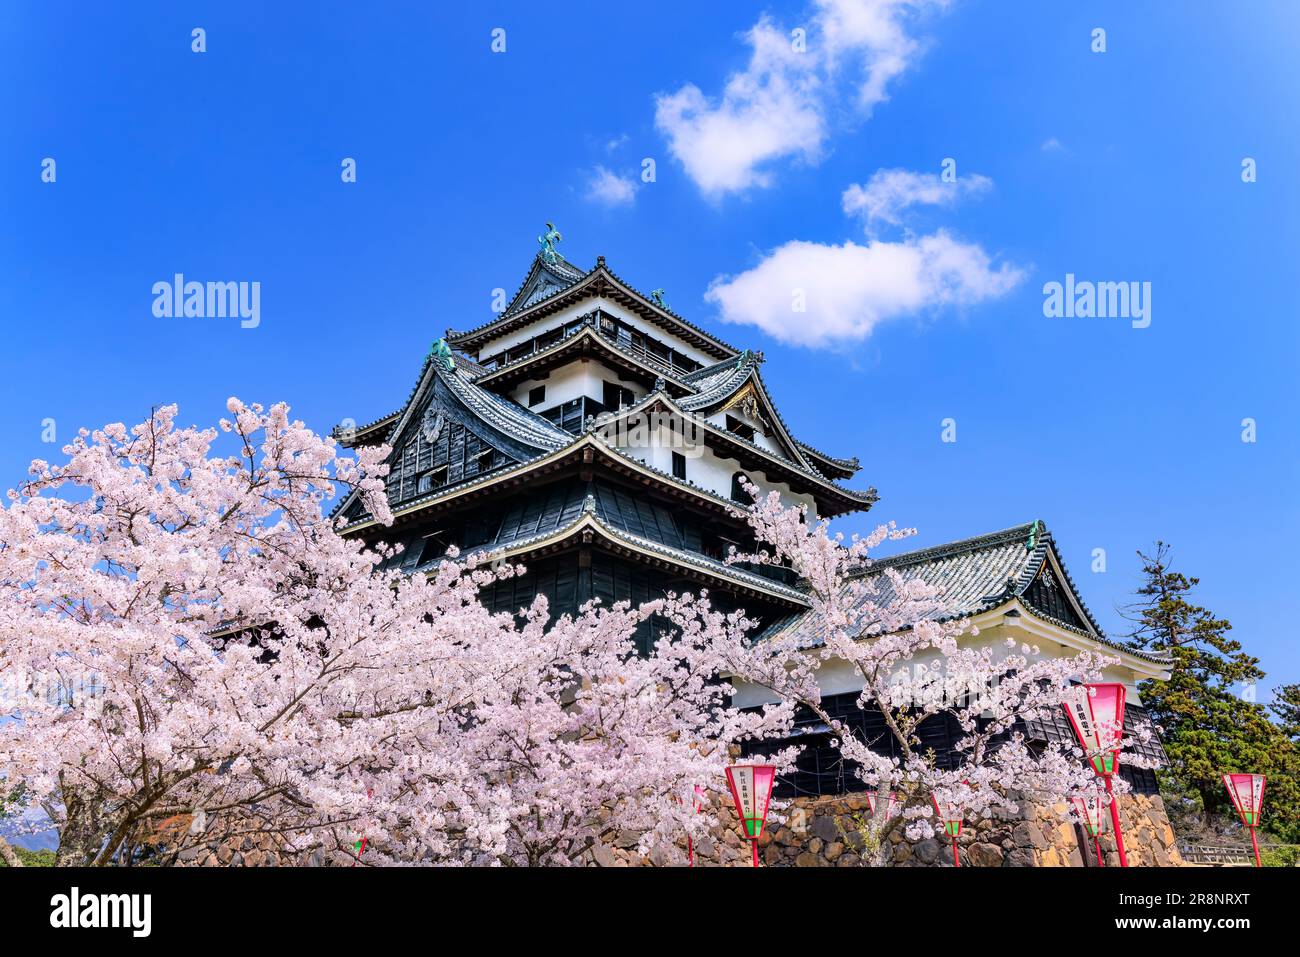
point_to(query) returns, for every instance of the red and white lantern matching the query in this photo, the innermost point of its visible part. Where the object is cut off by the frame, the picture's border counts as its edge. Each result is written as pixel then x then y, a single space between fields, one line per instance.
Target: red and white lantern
pixel 1090 808
pixel 1096 713
pixel 950 814
pixel 1247 793
pixel 751 789
pixel 890 803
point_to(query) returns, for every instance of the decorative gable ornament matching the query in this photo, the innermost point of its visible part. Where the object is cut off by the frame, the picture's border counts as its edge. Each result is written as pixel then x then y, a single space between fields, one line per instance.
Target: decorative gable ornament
pixel 548 241
pixel 1096 713
pixel 441 352
pixel 432 424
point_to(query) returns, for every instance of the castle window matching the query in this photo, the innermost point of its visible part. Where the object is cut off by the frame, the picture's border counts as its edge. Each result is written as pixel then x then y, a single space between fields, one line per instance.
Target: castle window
pixel 679 465
pixel 616 397
pixel 736 427
pixel 536 396
pixel 431 480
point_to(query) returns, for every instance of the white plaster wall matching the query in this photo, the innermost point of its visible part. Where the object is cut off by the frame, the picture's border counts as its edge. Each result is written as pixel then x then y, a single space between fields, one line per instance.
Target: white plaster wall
pixel 581 308
pixel 761 438
pixel 582 377
pixel 839 677
pixel 704 467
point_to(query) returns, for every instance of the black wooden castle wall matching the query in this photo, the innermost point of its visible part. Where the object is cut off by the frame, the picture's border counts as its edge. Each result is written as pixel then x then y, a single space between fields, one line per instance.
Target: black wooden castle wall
pixel 571 579
pixel 820 770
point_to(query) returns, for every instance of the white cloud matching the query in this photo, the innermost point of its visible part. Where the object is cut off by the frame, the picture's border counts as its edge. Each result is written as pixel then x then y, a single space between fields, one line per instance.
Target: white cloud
pixel 872 35
pixel 777 107
pixel 768 111
pixel 1052 145
pixel 609 188
pixel 890 192
pixel 849 289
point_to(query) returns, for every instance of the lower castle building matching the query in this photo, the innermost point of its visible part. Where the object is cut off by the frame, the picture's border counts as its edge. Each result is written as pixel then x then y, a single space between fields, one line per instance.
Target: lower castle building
pixel 595 436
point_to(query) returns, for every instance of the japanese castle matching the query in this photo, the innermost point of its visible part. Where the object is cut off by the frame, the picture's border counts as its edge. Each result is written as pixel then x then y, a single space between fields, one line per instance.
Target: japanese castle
pixel 595 436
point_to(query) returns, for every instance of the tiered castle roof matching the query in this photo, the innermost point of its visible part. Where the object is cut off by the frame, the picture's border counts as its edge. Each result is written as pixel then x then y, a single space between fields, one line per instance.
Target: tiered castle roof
pixel 465 383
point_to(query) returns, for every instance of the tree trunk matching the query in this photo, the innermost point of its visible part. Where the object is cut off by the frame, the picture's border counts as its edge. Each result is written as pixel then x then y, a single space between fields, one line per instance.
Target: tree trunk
pixel 83 831
pixel 7 854
pixel 1206 811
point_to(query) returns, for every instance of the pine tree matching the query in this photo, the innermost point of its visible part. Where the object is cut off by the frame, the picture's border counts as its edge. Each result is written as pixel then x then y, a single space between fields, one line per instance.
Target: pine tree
pixel 1286 705
pixel 1207 729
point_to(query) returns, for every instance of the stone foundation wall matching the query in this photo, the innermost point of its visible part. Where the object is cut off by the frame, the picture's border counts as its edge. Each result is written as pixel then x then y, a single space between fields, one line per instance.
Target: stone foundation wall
pixel 826 832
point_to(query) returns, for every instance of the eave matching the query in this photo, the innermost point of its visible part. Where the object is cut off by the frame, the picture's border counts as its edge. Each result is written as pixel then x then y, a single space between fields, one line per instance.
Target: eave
pixel 369 434
pixel 585 342
pixel 584 452
pixel 831 499
pixel 591 530
pixel 1040 627
pixel 829 465
pixel 600 282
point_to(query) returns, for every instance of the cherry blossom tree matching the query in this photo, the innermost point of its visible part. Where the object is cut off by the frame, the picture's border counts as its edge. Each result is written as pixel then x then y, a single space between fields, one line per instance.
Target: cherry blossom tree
pixel 191 653
pixel 905 646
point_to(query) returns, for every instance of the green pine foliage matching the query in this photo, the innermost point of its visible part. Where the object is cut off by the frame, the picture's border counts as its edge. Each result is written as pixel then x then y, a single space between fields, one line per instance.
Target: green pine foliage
pixel 1208 723
pixel 1286 705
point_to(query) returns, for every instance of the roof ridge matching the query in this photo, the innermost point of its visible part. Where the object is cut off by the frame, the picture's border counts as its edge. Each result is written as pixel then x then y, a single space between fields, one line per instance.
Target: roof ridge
pixel 537 264
pixel 973 543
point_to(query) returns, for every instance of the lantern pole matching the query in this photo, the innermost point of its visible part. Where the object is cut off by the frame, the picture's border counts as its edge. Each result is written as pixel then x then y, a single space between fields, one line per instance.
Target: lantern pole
pixel 951 824
pixel 1101 737
pixel 1114 820
pixel 1255 844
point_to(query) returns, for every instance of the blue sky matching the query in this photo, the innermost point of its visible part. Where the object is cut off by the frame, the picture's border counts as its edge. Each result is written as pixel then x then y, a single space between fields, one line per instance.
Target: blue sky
pixel 1115 166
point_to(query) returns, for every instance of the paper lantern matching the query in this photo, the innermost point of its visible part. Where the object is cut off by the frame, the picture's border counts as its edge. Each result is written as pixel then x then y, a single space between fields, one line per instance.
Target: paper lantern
pixel 751 789
pixel 950 814
pixel 1091 809
pixel 1247 793
pixel 1096 713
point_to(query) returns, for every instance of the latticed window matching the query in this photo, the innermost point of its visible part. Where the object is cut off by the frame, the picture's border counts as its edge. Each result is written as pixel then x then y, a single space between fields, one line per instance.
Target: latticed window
pixel 429 461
